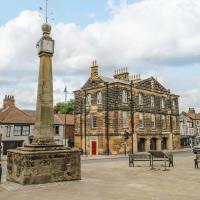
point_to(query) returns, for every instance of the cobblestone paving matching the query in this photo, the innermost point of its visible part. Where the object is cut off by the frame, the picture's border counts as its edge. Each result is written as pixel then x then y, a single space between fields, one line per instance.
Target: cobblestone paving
pixel 115 180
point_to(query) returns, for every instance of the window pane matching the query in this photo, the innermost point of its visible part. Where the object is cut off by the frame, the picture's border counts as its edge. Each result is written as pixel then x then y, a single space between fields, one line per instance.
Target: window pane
pixel 141 121
pixel 152 101
pixel 25 130
pixel 94 121
pixel 99 98
pixel 140 99
pixel 124 96
pixel 124 119
pixel 17 130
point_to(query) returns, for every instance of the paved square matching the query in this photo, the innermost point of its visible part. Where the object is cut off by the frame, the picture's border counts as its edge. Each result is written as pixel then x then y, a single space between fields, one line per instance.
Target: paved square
pixel 113 179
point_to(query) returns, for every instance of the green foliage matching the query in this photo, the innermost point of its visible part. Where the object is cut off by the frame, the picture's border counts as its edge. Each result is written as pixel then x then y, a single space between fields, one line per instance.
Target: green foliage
pixel 63 108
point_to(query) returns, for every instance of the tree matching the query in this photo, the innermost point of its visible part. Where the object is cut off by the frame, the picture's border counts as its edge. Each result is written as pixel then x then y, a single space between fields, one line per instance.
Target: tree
pixel 62 107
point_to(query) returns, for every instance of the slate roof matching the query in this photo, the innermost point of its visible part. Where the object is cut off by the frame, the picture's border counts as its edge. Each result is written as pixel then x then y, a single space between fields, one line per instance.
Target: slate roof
pixel 113 80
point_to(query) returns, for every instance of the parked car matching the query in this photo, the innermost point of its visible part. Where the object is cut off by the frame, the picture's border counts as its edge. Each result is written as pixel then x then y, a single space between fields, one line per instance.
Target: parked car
pixel 196 149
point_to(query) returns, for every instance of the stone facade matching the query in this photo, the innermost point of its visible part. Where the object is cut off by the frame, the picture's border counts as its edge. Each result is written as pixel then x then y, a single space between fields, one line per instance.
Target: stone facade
pixel 26 167
pixel 107 107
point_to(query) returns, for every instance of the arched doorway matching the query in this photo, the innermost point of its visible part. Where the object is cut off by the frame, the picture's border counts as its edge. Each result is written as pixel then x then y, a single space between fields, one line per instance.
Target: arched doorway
pixel 141 145
pixel 153 142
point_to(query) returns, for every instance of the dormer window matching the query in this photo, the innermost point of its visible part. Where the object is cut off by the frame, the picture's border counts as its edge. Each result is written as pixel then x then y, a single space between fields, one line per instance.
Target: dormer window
pixel 152 101
pixel 141 100
pixel 124 96
pixel 99 98
pixel 89 100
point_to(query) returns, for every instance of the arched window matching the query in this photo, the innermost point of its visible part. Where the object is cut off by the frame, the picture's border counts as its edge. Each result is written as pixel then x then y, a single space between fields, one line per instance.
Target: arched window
pixel 89 100
pixel 141 99
pixel 152 101
pixel 99 98
pixel 124 96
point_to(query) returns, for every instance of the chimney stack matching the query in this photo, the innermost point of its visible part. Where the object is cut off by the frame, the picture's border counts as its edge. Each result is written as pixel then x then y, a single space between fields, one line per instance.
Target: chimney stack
pixel 94 70
pixel 191 111
pixel 122 74
pixel 8 101
pixel 135 78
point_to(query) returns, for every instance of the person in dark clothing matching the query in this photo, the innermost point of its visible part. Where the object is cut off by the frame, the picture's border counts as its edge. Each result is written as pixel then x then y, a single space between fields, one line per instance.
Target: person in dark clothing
pixel 126 135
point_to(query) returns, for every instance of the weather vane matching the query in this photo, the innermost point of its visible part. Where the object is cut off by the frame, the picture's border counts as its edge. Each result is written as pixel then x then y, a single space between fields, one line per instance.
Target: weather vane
pixel 47 14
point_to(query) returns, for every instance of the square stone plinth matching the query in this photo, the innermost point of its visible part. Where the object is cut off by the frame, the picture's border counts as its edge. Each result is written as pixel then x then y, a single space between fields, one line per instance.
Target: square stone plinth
pixel 37 167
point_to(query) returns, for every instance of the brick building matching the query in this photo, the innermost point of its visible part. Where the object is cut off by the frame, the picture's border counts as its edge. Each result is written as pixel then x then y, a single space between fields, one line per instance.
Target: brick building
pixel 125 114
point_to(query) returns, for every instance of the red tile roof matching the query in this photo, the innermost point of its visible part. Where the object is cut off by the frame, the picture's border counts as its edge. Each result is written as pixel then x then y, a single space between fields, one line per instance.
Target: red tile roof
pixel 12 114
pixel 69 118
pixel 193 115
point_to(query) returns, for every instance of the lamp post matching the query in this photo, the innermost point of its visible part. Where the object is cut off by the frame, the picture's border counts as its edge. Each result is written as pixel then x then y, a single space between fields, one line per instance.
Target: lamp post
pixel 65 91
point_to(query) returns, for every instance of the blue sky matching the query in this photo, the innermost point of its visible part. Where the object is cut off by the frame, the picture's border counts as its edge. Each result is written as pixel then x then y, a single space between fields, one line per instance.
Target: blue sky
pixel 152 37
pixel 76 11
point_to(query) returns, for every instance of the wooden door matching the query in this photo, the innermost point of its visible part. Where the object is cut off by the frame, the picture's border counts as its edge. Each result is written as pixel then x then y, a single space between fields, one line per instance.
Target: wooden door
pixel 94 147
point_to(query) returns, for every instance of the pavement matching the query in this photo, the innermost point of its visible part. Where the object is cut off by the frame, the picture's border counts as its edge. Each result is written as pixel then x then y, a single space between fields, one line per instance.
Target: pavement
pixel 97 157
pixel 115 180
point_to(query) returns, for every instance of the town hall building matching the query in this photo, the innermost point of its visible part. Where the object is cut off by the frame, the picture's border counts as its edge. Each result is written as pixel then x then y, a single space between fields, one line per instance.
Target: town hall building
pixel 125 114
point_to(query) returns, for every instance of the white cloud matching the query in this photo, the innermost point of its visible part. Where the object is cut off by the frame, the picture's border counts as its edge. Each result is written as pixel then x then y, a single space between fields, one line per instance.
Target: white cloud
pixel 146 36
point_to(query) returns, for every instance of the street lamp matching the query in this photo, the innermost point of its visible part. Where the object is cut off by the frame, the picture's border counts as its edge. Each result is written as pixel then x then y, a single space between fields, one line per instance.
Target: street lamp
pixel 65 91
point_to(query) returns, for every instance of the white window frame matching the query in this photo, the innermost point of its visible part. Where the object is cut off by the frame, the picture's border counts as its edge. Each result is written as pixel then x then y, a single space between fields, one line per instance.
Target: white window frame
pixel 124 96
pixel 162 103
pixel 153 121
pixel 173 104
pixel 152 101
pixel 163 121
pixel 89 100
pixel 141 120
pixel 99 98
pixel 141 99
pixel 93 123
pixel 124 119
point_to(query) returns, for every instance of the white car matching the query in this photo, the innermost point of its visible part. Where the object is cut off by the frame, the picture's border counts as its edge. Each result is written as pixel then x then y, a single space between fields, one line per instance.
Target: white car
pixel 196 149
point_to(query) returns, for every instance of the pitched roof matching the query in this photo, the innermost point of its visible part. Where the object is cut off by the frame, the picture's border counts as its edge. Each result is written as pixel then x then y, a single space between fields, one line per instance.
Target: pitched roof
pixel 192 114
pixel 69 118
pixel 113 80
pixel 12 114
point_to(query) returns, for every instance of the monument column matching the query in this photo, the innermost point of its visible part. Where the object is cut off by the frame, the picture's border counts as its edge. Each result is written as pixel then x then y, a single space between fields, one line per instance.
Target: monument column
pixel 43 133
pixel 44 161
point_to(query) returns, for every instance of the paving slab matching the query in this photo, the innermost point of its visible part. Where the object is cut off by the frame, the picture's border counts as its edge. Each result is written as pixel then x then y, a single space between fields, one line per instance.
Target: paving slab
pixel 115 180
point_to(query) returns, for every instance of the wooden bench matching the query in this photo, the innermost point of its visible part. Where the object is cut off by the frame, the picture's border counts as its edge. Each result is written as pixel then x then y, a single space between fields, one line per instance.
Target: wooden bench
pixel 139 157
pixel 161 156
pixel 196 161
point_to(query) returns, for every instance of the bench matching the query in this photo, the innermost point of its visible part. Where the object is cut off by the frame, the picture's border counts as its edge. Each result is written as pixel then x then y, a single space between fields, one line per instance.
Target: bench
pixel 161 156
pixel 139 157
pixel 196 161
